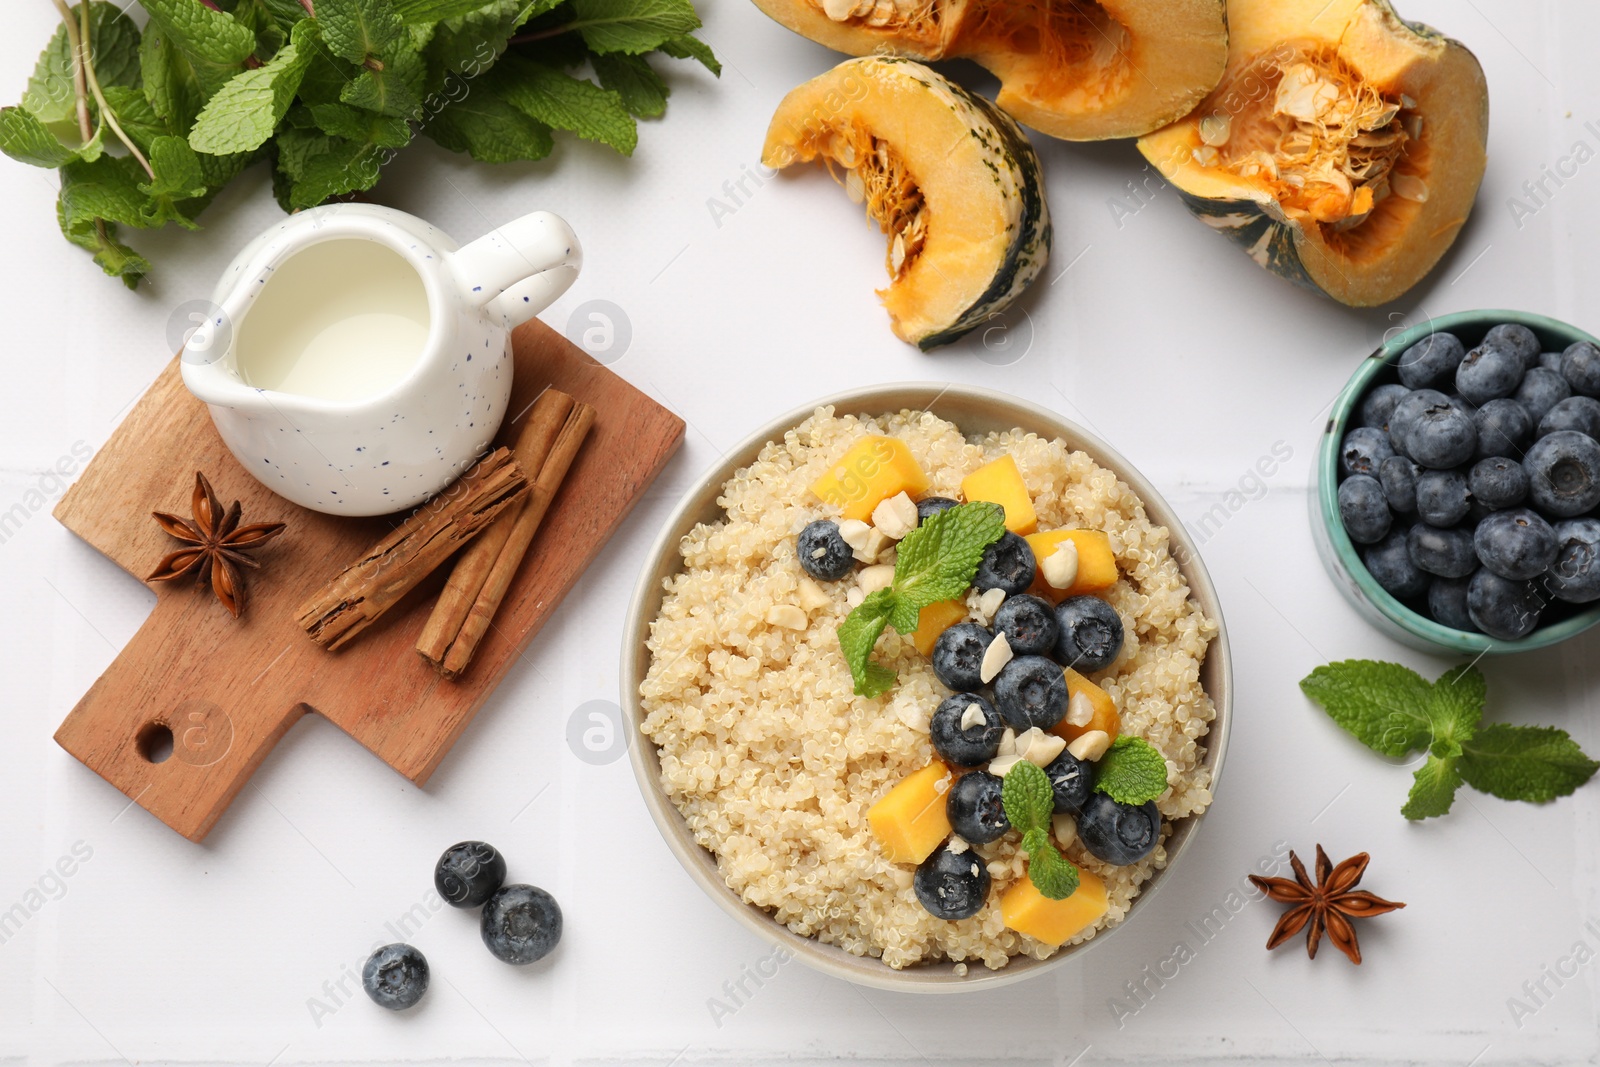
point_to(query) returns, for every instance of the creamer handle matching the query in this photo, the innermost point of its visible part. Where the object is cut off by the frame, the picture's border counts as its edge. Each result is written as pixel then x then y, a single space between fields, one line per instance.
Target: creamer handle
pixel 518 269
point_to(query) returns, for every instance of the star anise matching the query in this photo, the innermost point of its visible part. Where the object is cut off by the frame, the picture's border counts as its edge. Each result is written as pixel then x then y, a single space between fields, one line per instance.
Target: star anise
pixel 1329 905
pixel 214 545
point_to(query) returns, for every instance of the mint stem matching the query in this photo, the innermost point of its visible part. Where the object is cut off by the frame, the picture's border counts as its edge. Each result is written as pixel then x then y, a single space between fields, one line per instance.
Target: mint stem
pixel 540 35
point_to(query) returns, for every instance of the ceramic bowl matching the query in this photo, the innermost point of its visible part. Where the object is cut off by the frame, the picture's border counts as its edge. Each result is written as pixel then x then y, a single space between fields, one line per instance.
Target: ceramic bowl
pixel 976 411
pixel 1338 552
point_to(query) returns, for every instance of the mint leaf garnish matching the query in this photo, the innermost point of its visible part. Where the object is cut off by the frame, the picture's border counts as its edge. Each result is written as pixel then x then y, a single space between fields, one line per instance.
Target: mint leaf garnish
pixel 642 90
pixel 23 137
pixel 356 29
pixel 632 26
pixel 490 130
pixel 245 111
pixel 1533 763
pixel 935 561
pixel 557 99
pixel 1132 771
pixel 857 634
pixel 1433 789
pixel 1026 795
pixel 1383 705
pixel 1051 873
pixel 211 43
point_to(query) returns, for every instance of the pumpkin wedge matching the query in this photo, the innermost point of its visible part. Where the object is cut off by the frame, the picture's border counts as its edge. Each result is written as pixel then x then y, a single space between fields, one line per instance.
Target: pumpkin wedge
pixel 947 176
pixel 1074 69
pixel 1342 150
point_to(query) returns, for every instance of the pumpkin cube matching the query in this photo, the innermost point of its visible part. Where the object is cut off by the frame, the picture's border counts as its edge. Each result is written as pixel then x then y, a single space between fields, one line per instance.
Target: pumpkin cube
pixel 910 820
pixel 1105 710
pixel 934 620
pixel 874 469
pixel 1027 911
pixel 1000 482
pixel 1097 566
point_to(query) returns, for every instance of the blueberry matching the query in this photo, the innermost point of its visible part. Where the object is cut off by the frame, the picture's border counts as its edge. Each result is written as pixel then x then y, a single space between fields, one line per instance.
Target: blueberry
pixel 1378 405
pixel 1580 366
pixel 1071 779
pixel 1551 361
pixel 1504 428
pixel 1007 564
pixel 395 976
pixel 1488 372
pixel 1118 834
pixel 1564 474
pixel 1364 509
pixel 952 885
pixel 930 506
pixel 972 746
pixel 1503 607
pixel 521 923
pixel 1445 553
pixel 1405 415
pixel 1029 624
pixel 468 872
pixel 1091 634
pixel 974 809
pixel 1541 390
pixel 1516 339
pixel 1575 575
pixel 1580 413
pixel 1498 483
pixel 1032 691
pixel 1363 449
pixel 1431 363
pixel 1441 436
pixel 1398 476
pixel 1443 497
pixel 1447 603
pixel 1389 563
pixel 958 656
pixel 823 552
pixel 1515 544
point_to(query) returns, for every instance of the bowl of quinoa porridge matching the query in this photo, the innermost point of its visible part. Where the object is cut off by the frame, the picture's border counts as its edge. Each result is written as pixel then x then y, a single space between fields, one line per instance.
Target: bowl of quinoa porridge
pixel 766 773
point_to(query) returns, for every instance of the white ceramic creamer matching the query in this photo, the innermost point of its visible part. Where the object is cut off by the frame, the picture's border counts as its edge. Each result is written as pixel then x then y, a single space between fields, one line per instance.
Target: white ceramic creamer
pixel 356 360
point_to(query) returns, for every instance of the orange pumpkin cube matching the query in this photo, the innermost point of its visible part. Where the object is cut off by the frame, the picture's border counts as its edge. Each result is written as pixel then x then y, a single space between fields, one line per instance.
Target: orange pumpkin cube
pixel 1000 482
pixel 910 821
pixel 1105 710
pixel 934 620
pixel 1097 566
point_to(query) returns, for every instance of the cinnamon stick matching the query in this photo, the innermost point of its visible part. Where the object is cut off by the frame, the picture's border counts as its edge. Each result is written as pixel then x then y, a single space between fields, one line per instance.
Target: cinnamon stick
pixel 552 436
pixel 530 449
pixel 387 571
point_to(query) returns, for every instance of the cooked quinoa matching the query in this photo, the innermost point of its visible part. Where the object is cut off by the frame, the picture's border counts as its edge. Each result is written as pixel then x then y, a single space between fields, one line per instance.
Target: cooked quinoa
pixel 774 761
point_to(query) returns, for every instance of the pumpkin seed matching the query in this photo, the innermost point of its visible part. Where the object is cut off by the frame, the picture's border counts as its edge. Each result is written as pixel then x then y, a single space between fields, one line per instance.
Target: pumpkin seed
pixel 854 187
pixel 1409 187
pixel 897 255
pixel 838 10
pixel 1206 156
pixel 1215 130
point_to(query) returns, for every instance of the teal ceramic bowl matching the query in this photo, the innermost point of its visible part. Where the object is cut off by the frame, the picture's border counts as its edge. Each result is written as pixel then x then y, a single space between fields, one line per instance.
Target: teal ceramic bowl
pixel 1338 552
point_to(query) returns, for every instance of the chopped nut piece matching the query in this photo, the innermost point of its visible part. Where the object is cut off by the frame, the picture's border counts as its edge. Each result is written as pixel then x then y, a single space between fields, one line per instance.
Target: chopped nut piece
pixel 1008 743
pixel 973 716
pixel 997 655
pixel 855 534
pixel 787 616
pixel 854 597
pixel 874 578
pixel 1080 709
pixel 811 595
pixel 1064 828
pixel 958 844
pixel 1090 746
pixel 872 551
pixel 1043 748
pixel 896 516
pixel 1060 568
pixel 1001 764
pixel 989 602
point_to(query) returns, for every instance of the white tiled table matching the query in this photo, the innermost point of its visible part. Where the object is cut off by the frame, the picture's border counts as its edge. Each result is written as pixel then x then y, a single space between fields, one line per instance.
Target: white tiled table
pixel 1165 340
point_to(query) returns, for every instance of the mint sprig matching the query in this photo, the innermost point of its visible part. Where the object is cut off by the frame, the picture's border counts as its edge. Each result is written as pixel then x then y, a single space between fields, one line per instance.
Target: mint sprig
pixel 324 99
pixel 1395 711
pixel 1131 772
pixel 1029 801
pixel 934 562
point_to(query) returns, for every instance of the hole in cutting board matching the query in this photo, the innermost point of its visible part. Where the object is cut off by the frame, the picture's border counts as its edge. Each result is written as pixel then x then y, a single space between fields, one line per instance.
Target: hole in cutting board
pixel 155 742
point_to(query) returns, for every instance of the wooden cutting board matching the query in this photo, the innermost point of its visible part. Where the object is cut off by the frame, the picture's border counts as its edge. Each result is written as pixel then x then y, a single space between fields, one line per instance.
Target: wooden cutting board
pixel 224 690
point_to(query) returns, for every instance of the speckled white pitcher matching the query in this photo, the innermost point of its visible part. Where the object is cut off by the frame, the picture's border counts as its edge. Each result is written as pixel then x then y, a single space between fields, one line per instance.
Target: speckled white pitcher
pixel 356 360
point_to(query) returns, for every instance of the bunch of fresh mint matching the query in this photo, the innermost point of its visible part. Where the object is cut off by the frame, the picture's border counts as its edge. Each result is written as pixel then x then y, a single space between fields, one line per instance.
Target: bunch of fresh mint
pixel 1131 772
pixel 146 128
pixel 934 562
pixel 1395 711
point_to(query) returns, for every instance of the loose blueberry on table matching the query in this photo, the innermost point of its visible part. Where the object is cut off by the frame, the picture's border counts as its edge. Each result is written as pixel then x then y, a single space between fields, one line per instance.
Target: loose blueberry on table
pixel 395 976
pixel 468 872
pixel 521 924
pixel 1458 481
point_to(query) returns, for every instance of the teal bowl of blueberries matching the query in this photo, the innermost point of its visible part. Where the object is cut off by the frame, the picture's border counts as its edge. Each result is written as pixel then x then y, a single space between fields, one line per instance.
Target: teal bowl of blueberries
pixel 1456 498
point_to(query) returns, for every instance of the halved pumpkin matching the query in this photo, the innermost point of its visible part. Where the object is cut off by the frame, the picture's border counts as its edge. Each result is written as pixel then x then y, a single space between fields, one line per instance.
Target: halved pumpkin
pixel 1343 149
pixel 950 178
pixel 1074 69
